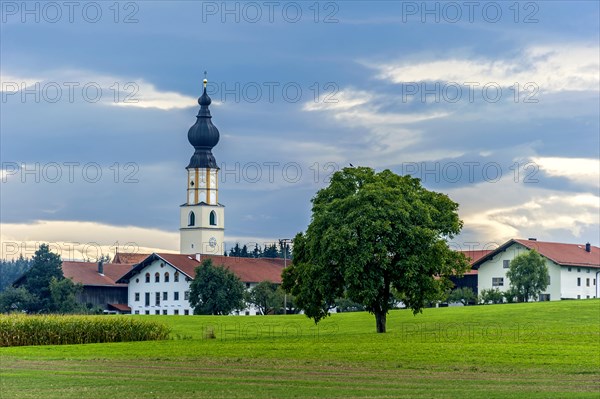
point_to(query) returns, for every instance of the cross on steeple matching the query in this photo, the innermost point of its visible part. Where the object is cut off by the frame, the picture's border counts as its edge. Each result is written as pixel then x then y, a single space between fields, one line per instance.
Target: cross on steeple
pixel 205 79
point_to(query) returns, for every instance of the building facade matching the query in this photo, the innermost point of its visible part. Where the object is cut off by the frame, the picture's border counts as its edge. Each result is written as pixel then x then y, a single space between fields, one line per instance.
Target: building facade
pixel 160 284
pixel 573 269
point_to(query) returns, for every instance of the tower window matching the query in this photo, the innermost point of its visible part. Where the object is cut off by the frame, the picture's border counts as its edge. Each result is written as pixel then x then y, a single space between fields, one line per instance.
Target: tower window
pixel 213 218
pixel 191 219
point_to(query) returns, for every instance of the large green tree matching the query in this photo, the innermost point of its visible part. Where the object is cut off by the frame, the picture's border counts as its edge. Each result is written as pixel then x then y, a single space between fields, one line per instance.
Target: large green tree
pixel 215 290
pixel 371 232
pixel 528 275
pixel 45 266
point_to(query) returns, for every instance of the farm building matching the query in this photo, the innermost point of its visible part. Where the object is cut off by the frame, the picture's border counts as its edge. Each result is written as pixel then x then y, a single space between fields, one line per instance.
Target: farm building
pixel 160 284
pixel 574 269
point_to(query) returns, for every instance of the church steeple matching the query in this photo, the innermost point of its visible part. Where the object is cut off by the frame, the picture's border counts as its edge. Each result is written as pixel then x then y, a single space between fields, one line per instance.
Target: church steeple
pixel 203 135
pixel 202 216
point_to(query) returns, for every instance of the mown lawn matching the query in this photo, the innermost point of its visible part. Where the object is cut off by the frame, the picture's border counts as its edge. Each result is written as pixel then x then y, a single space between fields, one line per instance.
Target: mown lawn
pixel 536 350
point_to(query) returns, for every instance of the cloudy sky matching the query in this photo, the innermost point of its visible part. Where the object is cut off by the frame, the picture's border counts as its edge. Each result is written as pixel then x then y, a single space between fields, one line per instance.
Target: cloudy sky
pixel 494 103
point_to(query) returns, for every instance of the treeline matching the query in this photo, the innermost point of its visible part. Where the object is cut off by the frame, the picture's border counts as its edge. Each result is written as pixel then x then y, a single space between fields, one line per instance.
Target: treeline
pixel 10 270
pixel 269 251
pixel 43 287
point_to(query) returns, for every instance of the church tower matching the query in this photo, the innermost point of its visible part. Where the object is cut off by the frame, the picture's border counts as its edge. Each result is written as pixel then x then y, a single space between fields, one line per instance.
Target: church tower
pixel 202 220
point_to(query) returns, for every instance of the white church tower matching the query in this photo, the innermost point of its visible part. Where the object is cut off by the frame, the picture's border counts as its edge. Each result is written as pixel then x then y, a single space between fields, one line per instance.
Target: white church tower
pixel 202 221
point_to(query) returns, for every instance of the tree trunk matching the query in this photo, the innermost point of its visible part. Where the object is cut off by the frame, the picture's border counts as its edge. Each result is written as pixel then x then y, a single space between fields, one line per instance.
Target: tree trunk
pixel 380 319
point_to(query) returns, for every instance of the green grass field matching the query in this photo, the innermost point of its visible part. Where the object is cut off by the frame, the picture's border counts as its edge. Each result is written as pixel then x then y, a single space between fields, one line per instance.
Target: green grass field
pixel 535 350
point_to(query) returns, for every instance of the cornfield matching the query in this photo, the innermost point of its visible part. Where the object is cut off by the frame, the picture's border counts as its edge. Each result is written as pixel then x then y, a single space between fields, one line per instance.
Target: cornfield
pixel 20 330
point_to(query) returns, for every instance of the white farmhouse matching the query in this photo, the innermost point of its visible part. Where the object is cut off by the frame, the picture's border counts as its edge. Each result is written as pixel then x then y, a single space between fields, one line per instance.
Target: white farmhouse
pixel 160 284
pixel 574 269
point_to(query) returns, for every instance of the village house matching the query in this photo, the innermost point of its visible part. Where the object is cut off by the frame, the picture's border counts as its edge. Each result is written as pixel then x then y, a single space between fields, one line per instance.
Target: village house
pixel 573 269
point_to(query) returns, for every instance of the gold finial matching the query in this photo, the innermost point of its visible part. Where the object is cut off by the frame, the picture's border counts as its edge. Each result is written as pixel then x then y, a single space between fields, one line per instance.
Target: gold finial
pixel 205 81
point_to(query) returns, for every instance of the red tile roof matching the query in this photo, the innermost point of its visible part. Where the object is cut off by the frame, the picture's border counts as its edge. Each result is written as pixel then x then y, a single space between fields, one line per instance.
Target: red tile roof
pixel 560 253
pixel 129 257
pixel 475 254
pixel 121 307
pixel 565 254
pixel 86 273
pixel 249 270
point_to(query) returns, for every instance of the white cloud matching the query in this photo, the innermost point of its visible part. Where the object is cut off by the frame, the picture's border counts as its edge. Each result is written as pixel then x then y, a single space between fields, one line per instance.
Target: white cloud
pixel 553 68
pixel 88 86
pixel 506 209
pixel 581 170
pixel 79 240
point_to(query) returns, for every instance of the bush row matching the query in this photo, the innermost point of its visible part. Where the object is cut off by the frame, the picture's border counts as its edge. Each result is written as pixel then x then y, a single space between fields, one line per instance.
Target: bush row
pixel 20 330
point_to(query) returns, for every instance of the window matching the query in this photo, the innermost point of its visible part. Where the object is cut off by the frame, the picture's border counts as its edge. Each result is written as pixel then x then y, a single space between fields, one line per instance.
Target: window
pixel 587 282
pixel 157 311
pixel 191 219
pixel 147 277
pixel 578 281
pixel 587 297
pixel 544 297
pixel 549 280
pixel 186 312
pixel 594 281
pixel 587 270
pixel 247 313
pixel 157 299
pixel 578 296
pixel 578 270
pixel 147 312
pixel 497 281
pixel 213 218
pixel 506 264
pixel 137 297
pixel 176 312
pixel 176 296
pixel 186 295
pixel 137 312
pixel 247 285
pixel 176 277
pixel 147 298
pixel 165 296
pixel 157 277
pixel 165 312
pixel 166 277
pixel 569 269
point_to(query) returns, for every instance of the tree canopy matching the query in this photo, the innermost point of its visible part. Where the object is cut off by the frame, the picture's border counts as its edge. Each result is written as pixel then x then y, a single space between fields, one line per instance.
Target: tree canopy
pixel 528 275
pixel 371 232
pixel 215 290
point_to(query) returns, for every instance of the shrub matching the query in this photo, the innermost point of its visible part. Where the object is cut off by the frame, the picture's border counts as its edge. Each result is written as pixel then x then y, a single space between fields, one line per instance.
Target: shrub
pixel 20 330
pixel 491 296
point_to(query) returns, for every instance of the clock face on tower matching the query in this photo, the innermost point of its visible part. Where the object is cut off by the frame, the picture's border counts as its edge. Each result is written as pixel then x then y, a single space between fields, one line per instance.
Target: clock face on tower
pixel 212 242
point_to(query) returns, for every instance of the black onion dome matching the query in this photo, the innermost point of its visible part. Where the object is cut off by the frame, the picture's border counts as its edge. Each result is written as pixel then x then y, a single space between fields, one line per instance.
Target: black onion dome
pixel 203 136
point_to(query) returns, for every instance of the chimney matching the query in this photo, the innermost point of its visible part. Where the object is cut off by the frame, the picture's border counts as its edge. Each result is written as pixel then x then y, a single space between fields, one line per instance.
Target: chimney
pixel 588 247
pixel 100 267
pixel 532 239
pixel 198 257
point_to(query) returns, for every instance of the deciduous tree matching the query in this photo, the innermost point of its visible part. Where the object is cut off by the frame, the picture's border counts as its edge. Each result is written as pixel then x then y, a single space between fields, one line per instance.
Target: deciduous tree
pixel 528 275
pixel 370 232
pixel 215 290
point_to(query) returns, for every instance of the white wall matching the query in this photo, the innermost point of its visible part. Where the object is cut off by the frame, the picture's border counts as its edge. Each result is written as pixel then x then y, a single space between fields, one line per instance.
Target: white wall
pixel 570 289
pixel 138 284
pixel 494 268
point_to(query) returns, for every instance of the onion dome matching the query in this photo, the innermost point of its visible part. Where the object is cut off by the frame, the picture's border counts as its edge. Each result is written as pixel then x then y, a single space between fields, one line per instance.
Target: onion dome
pixel 203 135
